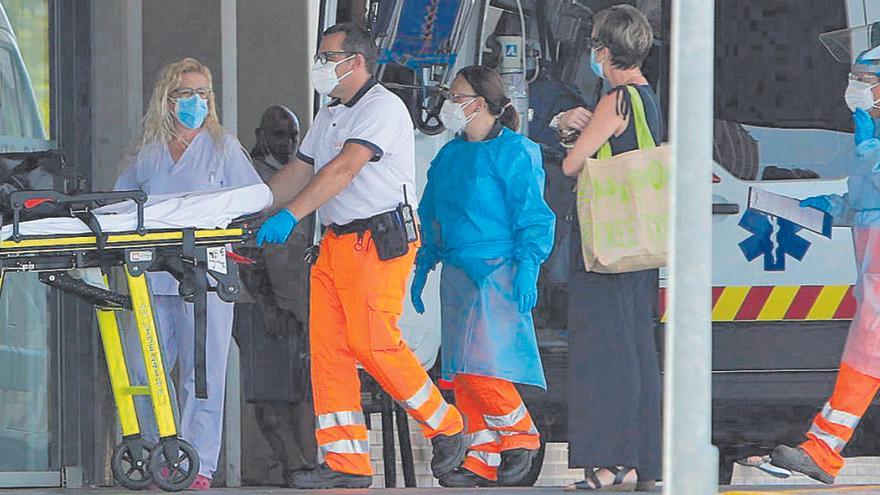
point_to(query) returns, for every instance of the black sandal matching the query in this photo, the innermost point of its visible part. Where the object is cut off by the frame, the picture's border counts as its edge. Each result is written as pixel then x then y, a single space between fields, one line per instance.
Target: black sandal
pixel 595 484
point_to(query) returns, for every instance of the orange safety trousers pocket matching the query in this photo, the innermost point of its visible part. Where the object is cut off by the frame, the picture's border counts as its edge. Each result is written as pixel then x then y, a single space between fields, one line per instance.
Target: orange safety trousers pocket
pixel 384 311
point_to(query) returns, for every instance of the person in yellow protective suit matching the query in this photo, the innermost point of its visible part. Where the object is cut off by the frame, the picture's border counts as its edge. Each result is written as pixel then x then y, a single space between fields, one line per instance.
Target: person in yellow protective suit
pixel 859 377
pixel 484 217
pixel 356 166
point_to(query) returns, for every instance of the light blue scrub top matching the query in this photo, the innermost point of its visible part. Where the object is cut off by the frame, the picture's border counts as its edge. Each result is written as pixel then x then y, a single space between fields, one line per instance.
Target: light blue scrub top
pixel 204 166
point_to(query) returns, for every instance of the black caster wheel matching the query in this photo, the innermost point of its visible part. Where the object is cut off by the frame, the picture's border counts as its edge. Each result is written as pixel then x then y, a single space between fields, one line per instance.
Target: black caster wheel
pixel 131 468
pixel 174 471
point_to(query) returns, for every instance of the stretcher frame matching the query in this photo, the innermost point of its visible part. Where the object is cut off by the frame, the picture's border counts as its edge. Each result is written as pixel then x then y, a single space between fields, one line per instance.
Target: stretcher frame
pixel 173 464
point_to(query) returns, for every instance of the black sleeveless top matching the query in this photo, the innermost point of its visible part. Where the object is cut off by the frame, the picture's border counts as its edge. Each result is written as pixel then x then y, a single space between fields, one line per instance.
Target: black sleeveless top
pixel 627 141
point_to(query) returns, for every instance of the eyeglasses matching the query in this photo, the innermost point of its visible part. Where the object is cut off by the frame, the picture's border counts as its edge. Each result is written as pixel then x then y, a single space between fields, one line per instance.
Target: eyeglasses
pixel 203 92
pixel 324 57
pixel 456 97
pixel 865 77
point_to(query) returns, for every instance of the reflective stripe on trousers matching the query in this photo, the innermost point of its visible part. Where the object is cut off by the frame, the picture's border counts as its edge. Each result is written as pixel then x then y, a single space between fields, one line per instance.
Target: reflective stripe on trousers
pixel 342 418
pixel 508 420
pixel 532 431
pixel 416 404
pixel 490 459
pixel 419 398
pixel 346 447
pixel 842 418
pixel 481 437
pixel 835 443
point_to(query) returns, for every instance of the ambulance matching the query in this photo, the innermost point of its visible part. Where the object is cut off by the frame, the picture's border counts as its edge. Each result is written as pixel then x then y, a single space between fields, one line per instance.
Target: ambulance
pixel 782 295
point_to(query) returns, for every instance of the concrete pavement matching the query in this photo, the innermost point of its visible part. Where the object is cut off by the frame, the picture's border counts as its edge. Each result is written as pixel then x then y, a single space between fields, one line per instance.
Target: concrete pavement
pixel 726 490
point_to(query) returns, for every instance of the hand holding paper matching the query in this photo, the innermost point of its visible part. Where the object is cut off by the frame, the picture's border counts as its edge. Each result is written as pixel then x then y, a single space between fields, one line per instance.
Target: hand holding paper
pixel 809 213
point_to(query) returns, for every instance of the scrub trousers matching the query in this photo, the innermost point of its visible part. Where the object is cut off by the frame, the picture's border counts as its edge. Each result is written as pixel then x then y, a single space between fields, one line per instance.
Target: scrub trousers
pixel 356 301
pixel 834 426
pixel 497 420
pixel 201 421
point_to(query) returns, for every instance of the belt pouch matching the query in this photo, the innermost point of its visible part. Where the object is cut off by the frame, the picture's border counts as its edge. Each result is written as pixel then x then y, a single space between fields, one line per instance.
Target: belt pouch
pixel 389 235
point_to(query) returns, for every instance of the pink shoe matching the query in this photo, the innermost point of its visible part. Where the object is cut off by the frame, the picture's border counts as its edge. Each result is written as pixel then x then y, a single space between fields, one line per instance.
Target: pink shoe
pixel 201 483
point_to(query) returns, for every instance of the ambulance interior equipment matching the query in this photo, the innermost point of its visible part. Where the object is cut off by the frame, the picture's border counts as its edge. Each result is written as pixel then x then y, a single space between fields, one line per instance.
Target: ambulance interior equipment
pixel 418 44
pixel 424 42
pixel 72 241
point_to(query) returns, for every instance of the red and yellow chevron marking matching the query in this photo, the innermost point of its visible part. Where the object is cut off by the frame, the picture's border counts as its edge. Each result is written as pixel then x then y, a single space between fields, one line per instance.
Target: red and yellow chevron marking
pixel 779 303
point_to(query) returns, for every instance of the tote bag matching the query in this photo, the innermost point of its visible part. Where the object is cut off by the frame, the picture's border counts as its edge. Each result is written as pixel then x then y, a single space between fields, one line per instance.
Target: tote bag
pixel 623 203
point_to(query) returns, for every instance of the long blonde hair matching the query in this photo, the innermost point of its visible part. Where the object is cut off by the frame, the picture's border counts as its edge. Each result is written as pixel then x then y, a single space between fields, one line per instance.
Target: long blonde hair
pixel 158 123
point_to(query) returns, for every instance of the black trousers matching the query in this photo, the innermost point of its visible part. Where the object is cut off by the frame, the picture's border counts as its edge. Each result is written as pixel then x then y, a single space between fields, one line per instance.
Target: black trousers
pixel 614 386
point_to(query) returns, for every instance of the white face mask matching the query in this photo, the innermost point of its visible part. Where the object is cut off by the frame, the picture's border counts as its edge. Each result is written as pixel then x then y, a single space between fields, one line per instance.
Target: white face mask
pixel 324 78
pixel 859 95
pixel 453 117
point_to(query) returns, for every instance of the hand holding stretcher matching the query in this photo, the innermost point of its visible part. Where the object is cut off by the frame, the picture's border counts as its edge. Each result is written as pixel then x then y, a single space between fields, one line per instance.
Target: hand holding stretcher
pixel 186 235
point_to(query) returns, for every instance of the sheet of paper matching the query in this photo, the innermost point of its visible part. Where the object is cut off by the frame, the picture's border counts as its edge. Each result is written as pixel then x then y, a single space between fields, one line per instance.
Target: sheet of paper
pixel 789 208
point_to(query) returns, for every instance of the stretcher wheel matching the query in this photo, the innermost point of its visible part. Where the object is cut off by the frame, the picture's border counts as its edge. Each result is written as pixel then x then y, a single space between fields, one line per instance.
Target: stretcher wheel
pixel 129 472
pixel 176 472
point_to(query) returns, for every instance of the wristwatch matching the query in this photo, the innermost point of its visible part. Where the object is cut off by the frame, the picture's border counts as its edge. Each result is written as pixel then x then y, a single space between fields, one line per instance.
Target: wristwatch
pixel 556 121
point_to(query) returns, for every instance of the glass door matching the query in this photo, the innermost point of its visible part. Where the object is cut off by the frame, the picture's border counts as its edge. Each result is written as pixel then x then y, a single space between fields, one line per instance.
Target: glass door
pixel 28 380
pixel 29 376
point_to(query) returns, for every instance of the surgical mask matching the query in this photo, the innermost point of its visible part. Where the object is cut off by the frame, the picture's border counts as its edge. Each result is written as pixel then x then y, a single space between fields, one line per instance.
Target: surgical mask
pixel 596 66
pixel 453 117
pixel 324 78
pixel 191 112
pixel 859 94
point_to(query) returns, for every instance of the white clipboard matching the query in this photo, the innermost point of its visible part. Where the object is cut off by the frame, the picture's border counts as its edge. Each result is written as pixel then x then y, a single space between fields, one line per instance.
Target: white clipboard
pixel 790 209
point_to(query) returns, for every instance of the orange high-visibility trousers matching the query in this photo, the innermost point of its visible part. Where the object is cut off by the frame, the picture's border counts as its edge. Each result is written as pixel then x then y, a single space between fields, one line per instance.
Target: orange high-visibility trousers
pixel 356 300
pixel 834 426
pixel 497 420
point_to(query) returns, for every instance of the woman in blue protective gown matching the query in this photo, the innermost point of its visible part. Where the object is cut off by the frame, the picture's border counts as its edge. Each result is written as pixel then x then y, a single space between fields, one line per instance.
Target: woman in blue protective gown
pixel 484 217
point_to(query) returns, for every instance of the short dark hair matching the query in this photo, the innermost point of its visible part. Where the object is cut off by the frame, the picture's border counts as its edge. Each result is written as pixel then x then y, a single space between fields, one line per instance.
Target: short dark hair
pixel 357 40
pixel 627 34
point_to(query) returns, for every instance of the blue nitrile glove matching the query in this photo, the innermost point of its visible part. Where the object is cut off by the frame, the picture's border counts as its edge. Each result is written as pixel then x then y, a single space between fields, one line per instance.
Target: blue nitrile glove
pixel 525 286
pixel 277 228
pixel 818 202
pixel 420 278
pixel 865 127
pixel 426 260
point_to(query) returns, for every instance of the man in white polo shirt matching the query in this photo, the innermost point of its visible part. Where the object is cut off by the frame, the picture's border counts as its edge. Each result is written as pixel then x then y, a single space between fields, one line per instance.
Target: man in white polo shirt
pixel 354 166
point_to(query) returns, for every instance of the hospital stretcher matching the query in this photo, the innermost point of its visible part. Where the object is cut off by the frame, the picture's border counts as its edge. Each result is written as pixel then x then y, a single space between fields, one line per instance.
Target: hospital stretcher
pixel 68 262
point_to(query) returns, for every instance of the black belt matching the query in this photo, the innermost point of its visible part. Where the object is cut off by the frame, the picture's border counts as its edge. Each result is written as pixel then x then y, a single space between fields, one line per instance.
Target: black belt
pixel 355 226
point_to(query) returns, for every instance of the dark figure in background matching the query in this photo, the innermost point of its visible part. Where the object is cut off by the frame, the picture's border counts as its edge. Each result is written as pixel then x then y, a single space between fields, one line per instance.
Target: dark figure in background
pixel 548 96
pixel 274 352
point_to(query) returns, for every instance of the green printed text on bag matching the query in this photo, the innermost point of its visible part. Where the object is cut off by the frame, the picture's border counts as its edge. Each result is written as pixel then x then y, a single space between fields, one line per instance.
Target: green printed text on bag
pixel 623 203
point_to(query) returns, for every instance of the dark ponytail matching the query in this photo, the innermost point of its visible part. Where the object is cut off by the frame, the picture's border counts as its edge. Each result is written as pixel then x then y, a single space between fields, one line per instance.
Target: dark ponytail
pixel 488 84
pixel 509 116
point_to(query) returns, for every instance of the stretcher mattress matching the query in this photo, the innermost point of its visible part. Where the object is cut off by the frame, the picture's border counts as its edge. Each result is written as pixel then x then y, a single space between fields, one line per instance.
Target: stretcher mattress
pixel 201 210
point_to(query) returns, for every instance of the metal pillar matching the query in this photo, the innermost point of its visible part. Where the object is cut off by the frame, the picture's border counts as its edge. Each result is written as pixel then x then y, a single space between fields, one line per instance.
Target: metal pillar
pixel 229 79
pixel 690 462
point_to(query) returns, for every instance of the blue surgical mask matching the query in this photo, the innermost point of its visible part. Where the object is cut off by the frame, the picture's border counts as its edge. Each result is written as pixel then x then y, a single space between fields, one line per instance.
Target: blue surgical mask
pixel 191 112
pixel 596 66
